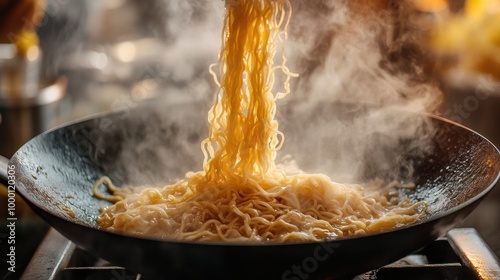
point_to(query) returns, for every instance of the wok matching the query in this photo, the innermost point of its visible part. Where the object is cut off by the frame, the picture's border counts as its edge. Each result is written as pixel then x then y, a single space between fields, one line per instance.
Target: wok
pixel 155 144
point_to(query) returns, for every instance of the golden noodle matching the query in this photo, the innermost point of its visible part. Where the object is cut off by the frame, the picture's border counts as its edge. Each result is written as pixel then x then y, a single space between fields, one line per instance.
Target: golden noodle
pixel 242 194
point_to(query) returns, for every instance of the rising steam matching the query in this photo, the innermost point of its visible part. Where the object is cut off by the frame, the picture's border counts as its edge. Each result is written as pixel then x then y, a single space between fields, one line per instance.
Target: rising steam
pixel 360 68
pixel 350 54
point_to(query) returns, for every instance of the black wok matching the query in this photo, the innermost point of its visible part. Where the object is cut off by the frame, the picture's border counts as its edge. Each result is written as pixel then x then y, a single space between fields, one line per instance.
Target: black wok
pixel 56 170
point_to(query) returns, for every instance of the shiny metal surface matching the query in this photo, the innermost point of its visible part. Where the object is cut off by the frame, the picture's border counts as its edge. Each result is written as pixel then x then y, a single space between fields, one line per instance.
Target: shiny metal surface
pixel 20 75
pixel 53 254
pixel 475 103
pixel 3 168
pixel 438 260
pixel 47 94
pixel 23 117
pixel 474 253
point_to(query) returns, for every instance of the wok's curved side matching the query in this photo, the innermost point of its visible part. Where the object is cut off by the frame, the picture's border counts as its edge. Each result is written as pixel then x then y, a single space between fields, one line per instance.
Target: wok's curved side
pixel 332 260
pixel 57 169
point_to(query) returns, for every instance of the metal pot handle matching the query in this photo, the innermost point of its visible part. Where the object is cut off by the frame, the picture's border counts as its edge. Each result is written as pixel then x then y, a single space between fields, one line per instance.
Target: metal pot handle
pixel 4 163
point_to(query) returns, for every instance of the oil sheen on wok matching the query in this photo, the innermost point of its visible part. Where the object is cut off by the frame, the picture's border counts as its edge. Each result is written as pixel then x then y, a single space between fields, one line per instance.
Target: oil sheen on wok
pixel 242 193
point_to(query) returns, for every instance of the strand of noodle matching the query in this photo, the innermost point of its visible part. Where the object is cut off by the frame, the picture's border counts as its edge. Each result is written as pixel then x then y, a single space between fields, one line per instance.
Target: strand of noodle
pixel 111 188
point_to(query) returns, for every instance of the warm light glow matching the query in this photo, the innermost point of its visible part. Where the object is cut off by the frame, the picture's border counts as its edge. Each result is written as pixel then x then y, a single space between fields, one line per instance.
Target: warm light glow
pixel 33 53
pixel 430 5
pixel 477 9
pixel 26 40
pixel 472 37
pixel 126 51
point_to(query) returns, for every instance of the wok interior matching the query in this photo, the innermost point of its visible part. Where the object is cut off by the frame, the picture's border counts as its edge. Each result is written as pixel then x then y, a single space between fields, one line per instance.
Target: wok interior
pixel 158 144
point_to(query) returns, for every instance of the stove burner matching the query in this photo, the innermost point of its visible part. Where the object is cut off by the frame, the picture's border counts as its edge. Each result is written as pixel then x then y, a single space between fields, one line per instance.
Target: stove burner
pixel 461 255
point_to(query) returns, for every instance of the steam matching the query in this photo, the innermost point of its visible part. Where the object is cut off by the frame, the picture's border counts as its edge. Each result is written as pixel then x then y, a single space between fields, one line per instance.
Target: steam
pixel 361 72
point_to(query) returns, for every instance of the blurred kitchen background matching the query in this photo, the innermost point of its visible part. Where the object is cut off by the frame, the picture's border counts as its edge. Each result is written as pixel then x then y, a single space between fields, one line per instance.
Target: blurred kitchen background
pixel 88 57
pixel 81 58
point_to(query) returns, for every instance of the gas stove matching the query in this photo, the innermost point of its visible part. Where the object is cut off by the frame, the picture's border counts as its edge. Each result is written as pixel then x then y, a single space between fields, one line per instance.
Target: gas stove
pixel 461 255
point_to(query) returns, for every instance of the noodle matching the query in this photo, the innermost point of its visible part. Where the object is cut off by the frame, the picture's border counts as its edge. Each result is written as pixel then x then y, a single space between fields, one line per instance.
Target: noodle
pixel 242 194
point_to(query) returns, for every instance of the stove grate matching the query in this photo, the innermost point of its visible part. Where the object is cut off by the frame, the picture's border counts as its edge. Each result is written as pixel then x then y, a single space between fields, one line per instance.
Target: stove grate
pixel 462 255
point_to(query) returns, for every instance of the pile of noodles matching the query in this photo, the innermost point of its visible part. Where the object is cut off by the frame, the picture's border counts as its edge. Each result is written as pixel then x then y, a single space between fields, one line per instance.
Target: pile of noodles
pixel 242 194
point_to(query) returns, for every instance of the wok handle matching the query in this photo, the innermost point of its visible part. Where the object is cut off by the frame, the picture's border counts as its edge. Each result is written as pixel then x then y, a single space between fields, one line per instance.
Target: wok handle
pixel 4 163
pixel 480 261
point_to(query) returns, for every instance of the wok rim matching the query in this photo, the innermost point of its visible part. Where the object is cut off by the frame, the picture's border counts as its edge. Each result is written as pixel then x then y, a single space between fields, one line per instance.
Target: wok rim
pixel 424 220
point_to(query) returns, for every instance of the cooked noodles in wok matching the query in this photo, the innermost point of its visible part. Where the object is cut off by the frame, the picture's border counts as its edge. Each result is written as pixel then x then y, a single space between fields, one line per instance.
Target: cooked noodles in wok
pixel 242 193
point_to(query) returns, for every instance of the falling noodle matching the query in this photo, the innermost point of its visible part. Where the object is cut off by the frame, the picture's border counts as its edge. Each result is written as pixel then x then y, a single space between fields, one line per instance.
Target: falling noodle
pixel 242 194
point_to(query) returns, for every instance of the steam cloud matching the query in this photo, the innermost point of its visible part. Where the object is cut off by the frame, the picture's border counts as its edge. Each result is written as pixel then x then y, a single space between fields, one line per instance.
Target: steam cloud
pixel 360 67
pixel 360 70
